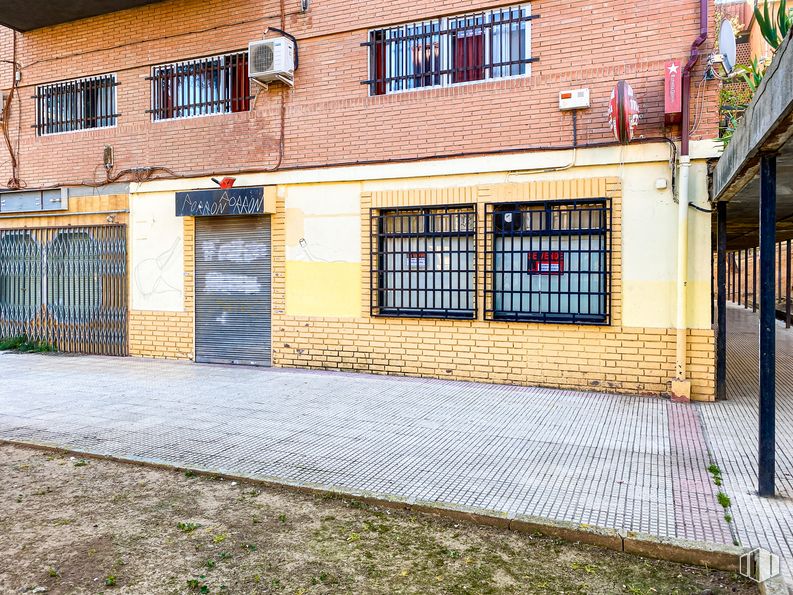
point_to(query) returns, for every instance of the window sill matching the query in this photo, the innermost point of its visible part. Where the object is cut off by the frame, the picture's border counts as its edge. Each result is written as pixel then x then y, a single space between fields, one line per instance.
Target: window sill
pixel 548 319
pixel 437 314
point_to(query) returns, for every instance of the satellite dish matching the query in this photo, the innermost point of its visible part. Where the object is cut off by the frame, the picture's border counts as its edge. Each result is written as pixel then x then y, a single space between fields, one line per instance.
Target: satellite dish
pixel 727 47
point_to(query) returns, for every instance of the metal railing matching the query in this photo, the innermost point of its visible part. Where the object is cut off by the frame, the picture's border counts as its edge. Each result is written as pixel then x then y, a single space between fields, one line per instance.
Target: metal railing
pixel 214 85
pixel 471 47
pixel 79 104
pixel 66 286
pixel 743 279
pixel 423 262
pixel 548 261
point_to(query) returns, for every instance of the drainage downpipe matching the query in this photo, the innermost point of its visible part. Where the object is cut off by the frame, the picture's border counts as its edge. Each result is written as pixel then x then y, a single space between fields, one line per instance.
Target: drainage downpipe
pixel 681 386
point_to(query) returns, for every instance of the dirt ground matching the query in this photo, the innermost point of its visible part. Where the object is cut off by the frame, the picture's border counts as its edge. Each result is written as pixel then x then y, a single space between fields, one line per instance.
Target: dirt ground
pixel 73 525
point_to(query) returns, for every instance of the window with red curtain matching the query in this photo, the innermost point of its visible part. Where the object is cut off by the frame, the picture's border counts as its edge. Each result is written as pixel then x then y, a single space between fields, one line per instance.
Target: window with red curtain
pixel 448 50
pixel 379 68
pixel 468 57
pixel 213 85
pixel 240 83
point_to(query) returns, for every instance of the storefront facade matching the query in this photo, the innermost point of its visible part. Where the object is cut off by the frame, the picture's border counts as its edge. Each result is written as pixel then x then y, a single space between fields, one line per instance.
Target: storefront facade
pixel 376 269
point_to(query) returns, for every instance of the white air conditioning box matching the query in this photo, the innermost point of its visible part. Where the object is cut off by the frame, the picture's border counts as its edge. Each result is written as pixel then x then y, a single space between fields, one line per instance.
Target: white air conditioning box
pixel 272 60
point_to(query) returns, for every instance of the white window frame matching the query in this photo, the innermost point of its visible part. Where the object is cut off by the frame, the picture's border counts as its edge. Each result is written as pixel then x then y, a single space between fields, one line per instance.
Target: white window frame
pixel 223 88
pixel 446 50
pixel 42 98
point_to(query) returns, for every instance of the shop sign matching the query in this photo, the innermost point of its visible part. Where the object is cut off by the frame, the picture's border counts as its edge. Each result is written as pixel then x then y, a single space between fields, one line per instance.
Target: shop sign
pixel 417 260
pixel 543 262
pixel 228 202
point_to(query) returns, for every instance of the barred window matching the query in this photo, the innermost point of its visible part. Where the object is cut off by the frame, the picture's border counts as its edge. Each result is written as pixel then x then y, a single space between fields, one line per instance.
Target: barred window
pixel 471 47
pixel 424 262
pixel 214 85
pixel 79 104
pixel 549 261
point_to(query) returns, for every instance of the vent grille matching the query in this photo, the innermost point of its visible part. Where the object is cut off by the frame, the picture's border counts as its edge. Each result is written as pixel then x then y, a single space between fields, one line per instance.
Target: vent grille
pixel 263 58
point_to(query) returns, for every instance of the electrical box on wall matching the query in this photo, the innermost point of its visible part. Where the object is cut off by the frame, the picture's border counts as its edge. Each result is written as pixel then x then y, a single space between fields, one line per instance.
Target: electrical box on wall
pixel 574 99
pixel 31 201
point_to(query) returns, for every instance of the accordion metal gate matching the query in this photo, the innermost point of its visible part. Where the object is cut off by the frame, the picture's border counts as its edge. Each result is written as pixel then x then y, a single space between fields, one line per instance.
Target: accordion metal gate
pixel 66 286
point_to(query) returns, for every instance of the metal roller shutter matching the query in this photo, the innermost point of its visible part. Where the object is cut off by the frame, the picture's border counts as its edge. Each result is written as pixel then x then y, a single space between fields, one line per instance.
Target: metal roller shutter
pixel 233 290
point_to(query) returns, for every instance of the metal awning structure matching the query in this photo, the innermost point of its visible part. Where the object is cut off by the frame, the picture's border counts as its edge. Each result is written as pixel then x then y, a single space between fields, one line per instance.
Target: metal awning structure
pixel 26 15
pixel 767 127
pixel 753 192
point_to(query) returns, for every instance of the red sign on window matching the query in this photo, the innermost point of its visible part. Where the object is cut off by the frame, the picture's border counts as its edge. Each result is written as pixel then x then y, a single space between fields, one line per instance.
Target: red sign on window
pixel 542 262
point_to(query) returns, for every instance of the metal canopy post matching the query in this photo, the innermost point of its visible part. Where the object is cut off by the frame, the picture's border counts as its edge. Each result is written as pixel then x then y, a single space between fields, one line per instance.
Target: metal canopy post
pixel 746 278
pixel 721 301
pixel 767 429
pixel 754 279
pixel 787 288
pixel 738 268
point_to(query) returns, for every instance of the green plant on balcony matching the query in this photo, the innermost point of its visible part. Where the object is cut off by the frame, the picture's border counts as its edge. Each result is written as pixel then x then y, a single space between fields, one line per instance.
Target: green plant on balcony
pixel 774 27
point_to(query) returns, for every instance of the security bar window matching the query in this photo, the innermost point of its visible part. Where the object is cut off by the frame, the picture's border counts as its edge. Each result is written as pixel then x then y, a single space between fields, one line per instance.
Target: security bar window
pixel 424 262
pixel 549 261
pixel 471 47
pixel 79 104
pixel 215 85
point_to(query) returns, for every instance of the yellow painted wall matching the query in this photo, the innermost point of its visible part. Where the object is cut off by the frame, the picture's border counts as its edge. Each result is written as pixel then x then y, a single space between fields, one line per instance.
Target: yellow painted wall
pixel 323 289
pixel 323 250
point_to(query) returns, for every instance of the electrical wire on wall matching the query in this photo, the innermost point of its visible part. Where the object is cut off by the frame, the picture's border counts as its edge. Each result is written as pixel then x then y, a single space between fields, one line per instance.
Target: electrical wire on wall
pixel 13 151
pixel 282 111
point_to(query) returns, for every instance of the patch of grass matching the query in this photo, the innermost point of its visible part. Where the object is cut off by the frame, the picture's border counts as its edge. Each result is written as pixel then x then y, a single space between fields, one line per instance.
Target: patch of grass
pixel 187 527
pixel 198 584
pixel 62 522
pixel 219 538
pixel 11 343
pixel 728 518
pixel 24 344
pixel 189 474
pixel 713 469
pixel 80 463
pixel 282 518
pixel 724 500
pixel 52 572
pixel 110 580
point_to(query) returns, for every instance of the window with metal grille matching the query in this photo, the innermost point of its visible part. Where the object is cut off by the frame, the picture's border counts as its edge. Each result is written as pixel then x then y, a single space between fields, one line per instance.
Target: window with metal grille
pixel 214 85
pixel 548 261
pixel 79 104
pixel 472 47
pixel 424 262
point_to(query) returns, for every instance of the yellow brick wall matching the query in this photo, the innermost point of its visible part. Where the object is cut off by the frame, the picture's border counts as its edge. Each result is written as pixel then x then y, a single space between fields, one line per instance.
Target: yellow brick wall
pixel 605 358
pixel 168 334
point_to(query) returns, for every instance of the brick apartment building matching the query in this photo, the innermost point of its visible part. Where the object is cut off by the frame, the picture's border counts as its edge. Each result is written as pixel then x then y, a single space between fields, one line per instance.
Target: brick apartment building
pixel 417 203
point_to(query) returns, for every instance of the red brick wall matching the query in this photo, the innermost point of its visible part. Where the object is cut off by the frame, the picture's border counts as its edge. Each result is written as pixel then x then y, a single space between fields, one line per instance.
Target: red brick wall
pixel 330 117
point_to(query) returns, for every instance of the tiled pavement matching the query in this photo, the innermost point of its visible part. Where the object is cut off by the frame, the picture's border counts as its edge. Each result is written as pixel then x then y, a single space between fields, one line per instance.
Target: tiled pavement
pixel 731 431
pixel 634 463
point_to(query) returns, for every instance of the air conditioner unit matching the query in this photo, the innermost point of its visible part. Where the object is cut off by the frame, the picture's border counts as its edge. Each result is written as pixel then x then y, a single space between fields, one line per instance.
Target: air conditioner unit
pixel 272 60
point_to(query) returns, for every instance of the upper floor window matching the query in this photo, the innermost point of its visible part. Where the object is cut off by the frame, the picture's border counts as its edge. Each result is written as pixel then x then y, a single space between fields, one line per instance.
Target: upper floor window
pixel 78 104
pixel 471 47
pixel 214 85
